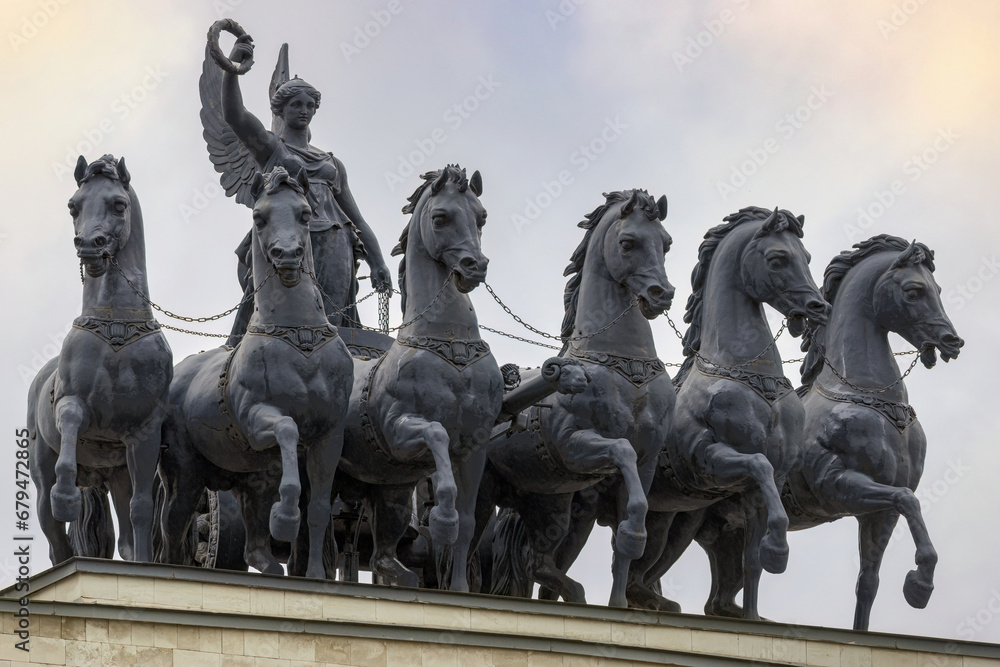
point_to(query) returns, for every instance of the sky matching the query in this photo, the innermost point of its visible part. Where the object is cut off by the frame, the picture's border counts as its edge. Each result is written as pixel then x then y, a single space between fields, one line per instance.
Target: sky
pixel 866 118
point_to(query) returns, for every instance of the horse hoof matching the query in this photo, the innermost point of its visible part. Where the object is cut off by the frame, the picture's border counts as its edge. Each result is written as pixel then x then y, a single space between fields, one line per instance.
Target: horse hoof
pixel 284 528
pixel 729 610
pixel 917 591
pixel 641 597
pixel 444 526
pixel 317 572
pixel 629 544
pixel 773 555
pixel 66 506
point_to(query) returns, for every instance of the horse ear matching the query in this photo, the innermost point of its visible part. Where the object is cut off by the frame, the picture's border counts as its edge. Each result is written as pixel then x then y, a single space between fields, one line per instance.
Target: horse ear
pixel 257 186
pixel 303 179
pixel 661 207
pixel 81 170
pixel 630 204
pixel 123 174
pixel 476 183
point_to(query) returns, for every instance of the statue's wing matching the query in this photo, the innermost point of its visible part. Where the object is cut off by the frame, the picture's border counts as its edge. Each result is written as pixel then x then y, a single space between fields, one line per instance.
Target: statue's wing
pixel 279 77
pixel 230 157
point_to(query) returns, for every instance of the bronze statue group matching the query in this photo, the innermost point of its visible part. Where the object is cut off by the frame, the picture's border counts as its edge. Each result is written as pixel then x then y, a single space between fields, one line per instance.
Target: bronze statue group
pixel 326 444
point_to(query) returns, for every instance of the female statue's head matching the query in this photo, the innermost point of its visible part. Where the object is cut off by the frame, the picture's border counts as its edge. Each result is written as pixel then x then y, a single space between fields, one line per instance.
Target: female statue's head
pixel 295 101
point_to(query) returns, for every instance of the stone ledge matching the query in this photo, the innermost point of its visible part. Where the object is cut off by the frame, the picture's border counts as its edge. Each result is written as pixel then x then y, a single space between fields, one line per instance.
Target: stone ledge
pixel 126 607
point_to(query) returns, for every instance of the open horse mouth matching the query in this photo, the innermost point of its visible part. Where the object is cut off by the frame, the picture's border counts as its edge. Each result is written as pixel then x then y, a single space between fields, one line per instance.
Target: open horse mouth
pixel 289 273
pixel 96 265
pixel 651 312
pixel 467 283
pixel 950 345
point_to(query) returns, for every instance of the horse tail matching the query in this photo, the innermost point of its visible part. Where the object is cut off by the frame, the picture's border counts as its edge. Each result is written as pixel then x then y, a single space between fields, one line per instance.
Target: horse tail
pixel 512 554
pixel 93 534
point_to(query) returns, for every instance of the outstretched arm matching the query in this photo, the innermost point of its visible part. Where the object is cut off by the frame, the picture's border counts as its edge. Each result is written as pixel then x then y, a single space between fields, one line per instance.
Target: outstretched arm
pixel 260 142
pixel 381 278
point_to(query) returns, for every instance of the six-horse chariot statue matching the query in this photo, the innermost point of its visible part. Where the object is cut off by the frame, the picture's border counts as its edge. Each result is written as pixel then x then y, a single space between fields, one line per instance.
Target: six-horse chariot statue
pixel 314 445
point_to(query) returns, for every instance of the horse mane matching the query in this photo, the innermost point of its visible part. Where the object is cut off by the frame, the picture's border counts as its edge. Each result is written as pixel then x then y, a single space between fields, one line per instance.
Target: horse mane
pixel 278 177
pixel 571 295
pixel 106 166
pixel 812 338
pixel 777 220
pixel 435 180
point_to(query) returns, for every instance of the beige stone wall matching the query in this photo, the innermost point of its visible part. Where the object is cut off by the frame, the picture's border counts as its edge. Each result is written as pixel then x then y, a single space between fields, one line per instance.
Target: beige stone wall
pixel 88 618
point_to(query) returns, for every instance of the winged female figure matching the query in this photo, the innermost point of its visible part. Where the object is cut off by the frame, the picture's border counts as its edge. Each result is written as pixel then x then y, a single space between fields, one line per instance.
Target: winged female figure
pixel 239 146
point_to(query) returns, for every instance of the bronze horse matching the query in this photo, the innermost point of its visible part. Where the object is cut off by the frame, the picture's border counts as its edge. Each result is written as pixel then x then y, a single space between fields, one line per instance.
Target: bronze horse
pixel 426 407
pixel 738 422
pixel 94 412
pixel 615 427
pixel 863 450
pixel 238 416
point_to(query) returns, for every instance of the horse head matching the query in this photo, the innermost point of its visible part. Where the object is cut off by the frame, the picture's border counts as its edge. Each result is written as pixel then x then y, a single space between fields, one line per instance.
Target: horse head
pixel 775 270
pixel 634 247
pixel 281 215
pixel 448 221
pixel 907 300
pixel 102 212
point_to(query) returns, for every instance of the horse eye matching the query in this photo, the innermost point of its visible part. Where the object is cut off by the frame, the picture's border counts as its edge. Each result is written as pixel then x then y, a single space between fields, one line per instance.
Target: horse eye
pixel 439 219
pixel 777 263
pixel 627 245
pixel 305 216
pixel 914 293
pixel 120 207
pixel 258 219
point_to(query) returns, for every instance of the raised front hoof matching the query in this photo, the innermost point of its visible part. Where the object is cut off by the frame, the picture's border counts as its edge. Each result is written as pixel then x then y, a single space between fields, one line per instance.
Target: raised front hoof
pixel 641 597
pixel 916 590
pixel 773 554
pixel 444 526
pixel 284 527
pixel 629 543
pixel 67 504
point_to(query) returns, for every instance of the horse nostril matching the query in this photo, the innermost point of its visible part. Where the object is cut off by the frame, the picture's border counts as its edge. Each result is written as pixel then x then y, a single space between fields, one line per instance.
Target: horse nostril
pixel 100 241
pixel 77 241
pixel 299 252
pixel 276 253
pixel 468 264
pixel 952 339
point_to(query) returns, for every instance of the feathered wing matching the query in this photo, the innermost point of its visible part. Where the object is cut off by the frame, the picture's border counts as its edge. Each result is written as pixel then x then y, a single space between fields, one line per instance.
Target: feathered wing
pixel 230 157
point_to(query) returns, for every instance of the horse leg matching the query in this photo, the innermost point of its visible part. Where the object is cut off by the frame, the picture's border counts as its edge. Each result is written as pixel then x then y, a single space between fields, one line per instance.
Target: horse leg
pixel 729 467
pixel 874 532
pixel 639 590
pixel 390 517
pixel 142 453
pixel 322 458
pixel 256 513
pixel 582 517
pixel 859 494
pixel 592 451
pixel 468 474
pixel 724 547
pixel 547 521
pixel 267 426
pixel 43 474
pixel 755 528
pixel 120 486
pixel 71 418
pixel 409 435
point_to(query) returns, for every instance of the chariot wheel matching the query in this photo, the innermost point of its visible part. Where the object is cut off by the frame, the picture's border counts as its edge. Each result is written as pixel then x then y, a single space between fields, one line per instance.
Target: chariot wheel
pixel 219 534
